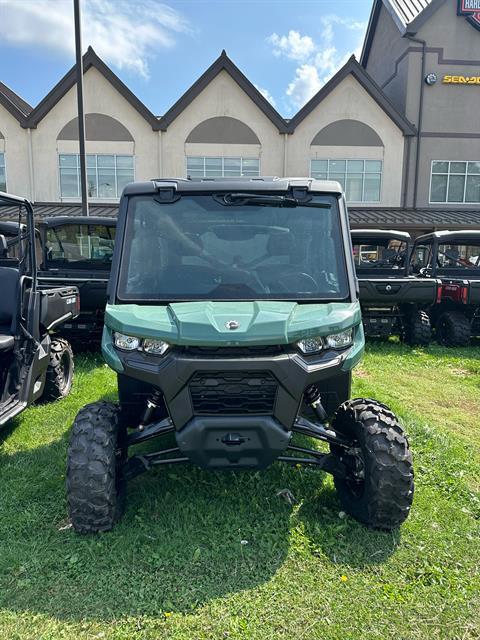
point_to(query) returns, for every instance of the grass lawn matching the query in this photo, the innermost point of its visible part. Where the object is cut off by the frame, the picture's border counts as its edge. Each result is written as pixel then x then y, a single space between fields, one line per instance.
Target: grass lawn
pixel 175 567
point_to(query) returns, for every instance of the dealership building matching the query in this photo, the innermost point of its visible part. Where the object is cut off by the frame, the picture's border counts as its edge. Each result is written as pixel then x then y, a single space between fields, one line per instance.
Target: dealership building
pixel 399 128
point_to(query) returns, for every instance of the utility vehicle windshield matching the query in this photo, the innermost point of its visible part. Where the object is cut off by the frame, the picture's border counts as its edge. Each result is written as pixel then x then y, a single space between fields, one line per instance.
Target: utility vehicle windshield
pixel 79 246
pixel 243 247
pixel 379 254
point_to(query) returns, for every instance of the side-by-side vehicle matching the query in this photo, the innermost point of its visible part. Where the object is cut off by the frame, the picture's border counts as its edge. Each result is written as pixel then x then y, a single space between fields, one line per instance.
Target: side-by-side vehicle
pixel 453 257
pixel 34 361
pixel 233 324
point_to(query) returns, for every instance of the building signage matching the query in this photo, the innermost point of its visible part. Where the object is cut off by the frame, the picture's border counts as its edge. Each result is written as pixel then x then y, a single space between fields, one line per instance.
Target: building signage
pixel 471 10
pixel 461 80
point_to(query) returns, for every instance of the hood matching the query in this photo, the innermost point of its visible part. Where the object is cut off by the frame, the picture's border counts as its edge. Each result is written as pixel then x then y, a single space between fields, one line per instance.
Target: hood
pixel 208 323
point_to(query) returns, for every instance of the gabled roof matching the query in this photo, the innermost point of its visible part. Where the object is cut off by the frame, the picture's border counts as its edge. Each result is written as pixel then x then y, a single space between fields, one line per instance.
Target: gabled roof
pixel 408 15
pixel 90 59
pixel 358 72
pixel 223 63
pixel 14 103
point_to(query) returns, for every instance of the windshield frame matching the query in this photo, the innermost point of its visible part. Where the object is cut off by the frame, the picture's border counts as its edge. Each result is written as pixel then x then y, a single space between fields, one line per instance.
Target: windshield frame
pixel 116 295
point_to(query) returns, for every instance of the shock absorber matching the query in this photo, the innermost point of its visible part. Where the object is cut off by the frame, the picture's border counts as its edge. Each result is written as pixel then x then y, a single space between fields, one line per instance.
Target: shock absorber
pixel 314 400
pixel 152 403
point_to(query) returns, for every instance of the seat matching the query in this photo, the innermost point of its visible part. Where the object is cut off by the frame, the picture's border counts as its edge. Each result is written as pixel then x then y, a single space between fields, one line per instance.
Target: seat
pixel 9 292
pixel 6 342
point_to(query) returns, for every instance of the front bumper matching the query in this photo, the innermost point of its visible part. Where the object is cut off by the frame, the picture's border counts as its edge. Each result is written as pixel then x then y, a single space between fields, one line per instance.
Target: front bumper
pixel 277 382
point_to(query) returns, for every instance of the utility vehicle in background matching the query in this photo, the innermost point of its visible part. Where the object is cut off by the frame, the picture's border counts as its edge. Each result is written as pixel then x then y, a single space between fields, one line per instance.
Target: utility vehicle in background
pixel 34 362
pixel 233 324
pixel 393 301
pixel 453 257
pixel 78 251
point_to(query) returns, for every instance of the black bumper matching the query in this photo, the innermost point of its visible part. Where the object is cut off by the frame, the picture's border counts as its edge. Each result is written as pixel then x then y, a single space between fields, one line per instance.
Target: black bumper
pixel 213 385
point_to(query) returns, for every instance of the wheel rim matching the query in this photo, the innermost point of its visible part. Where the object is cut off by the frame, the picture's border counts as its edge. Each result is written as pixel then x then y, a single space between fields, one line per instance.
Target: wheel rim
pixel 66 369
pixel 355 479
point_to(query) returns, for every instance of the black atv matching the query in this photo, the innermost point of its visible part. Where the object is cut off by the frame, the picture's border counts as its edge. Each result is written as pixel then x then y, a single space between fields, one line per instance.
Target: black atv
pixel 34 362
pixel 78 251
pixel 453 257
pixel 393 301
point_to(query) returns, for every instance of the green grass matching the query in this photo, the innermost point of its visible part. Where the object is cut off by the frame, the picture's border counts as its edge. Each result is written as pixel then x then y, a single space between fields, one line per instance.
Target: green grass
pixel 175 566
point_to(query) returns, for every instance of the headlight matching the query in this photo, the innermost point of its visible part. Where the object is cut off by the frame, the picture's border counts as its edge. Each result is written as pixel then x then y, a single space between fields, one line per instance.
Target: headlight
pixel 340 340
pixel 127 343
pixel 310 345
pixel 156 347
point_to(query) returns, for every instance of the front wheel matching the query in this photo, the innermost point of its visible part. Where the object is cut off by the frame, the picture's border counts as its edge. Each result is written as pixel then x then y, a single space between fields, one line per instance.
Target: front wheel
pixel 378 487
pixel 60 368
pixel 96 486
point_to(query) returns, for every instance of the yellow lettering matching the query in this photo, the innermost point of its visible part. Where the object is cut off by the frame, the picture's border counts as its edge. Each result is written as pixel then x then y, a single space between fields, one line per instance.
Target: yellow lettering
pixel 461 80
pixel 447 79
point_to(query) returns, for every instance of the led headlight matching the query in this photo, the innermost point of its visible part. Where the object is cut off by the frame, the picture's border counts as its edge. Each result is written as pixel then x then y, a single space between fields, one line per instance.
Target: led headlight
pixel 310 345
pixel 155 347
pixel 127 343
pixel 340 340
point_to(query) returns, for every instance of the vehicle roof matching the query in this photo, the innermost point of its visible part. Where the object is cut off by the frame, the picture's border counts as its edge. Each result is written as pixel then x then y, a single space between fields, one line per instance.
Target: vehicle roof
pixel 7 200
pixel 9 226
pixel 58 221
pixel 260 184
pixel 462 234
pixel 380 233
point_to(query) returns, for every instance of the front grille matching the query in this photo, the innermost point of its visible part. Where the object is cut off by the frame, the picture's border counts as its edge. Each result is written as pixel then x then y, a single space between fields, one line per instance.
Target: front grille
pixel 235 352
pixel 233 392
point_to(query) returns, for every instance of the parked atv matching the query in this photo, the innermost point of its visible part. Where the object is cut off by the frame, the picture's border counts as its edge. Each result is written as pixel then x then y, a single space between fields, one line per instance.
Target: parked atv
pixel 454 258
pixel 78 252
pixel 393 302
pixel 233 322
pixel 34 362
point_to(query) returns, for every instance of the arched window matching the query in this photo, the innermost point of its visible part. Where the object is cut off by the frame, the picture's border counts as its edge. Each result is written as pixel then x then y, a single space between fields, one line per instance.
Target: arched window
pixel 347 133
pixel 222 130
pixel 98 126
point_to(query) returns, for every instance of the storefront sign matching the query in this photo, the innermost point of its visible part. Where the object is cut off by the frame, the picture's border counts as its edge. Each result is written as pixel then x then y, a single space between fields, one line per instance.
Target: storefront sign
pixel 471 10
pixel 461 80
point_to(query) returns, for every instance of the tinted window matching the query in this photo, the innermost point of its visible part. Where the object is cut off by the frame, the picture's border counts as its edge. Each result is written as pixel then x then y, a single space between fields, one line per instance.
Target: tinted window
pixel 379 254
pixel 80 245
pixel 198 248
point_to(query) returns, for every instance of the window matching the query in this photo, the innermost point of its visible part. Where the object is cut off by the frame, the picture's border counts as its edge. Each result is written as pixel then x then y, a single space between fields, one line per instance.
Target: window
pixel 459 256
pixel 199 248
pixel 421 258
pixel 106 175
pixel 3 178
pixel 379 254
pixel 456 182
pixel 208 167
pixel 80 245
pixel 360 179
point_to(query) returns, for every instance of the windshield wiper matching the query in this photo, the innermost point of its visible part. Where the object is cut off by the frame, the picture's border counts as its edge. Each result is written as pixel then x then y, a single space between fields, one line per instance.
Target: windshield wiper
pixel 239 199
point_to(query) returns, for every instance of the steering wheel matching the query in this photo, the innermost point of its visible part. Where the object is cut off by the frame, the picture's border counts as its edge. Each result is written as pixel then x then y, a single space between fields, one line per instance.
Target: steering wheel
pixel 299 282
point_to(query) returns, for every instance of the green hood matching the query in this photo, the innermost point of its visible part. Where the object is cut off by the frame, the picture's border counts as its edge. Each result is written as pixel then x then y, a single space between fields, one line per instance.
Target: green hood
pixel 204 323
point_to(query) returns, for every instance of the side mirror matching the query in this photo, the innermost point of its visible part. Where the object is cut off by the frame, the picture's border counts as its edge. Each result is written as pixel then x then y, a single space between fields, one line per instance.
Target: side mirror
pixel 3 247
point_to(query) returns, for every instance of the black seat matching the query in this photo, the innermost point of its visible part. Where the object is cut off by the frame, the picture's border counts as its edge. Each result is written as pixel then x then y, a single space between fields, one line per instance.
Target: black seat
pixel 9 282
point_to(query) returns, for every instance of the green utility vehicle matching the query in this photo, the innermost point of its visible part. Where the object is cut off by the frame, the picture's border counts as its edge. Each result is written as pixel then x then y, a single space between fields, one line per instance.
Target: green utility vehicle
pixel 233 324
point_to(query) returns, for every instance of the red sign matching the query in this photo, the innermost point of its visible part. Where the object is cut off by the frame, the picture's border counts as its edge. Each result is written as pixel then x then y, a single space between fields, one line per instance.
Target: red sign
pixel 471 10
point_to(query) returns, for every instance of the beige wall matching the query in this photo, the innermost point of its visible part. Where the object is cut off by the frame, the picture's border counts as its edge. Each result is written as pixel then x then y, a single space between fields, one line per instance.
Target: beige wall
pixel 350 101
pixel 15 147
pixel 222 97
pixel 100 97
pixel 163 154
